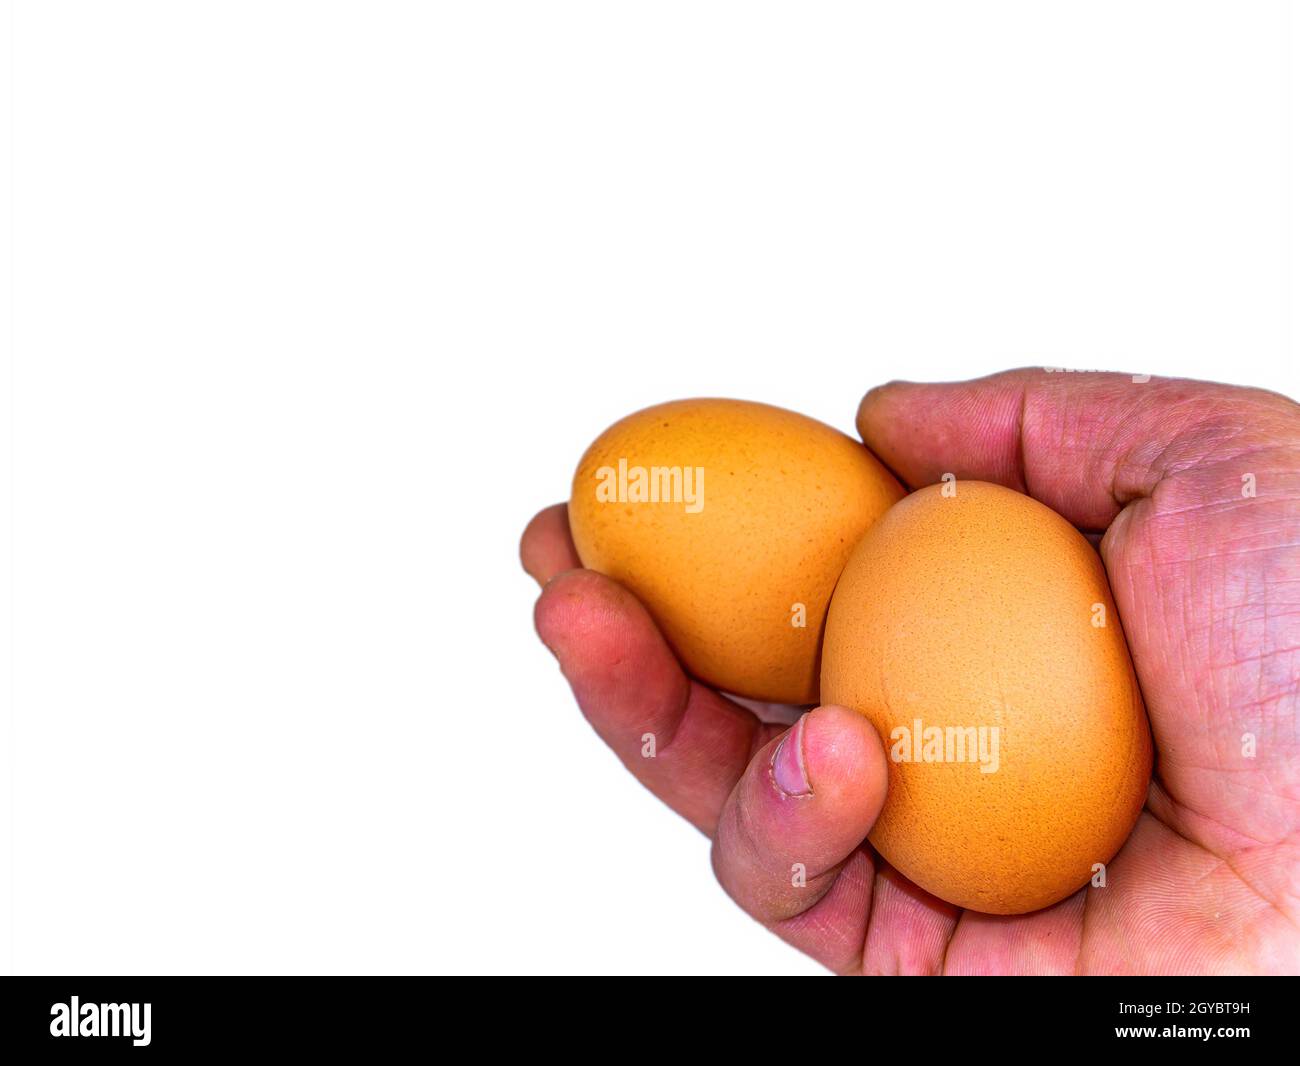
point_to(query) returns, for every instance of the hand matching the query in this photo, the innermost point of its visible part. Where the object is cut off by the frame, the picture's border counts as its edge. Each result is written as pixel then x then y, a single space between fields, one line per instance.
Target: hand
pixel 1206 578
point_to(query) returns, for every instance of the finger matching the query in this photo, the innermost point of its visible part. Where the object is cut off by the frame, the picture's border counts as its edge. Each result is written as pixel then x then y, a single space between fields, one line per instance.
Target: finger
pixel 1084 444
pixel 909 930
pixel 1042 942
pixel 546 547
pixel 788 846
pixel 682 740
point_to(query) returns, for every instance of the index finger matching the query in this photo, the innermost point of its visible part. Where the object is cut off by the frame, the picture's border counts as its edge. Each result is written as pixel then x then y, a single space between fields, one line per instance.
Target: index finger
pixel 1085 444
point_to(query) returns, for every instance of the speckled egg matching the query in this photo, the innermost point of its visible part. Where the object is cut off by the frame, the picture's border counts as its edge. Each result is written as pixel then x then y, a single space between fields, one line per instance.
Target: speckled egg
pixel 975 627
pixel 731 522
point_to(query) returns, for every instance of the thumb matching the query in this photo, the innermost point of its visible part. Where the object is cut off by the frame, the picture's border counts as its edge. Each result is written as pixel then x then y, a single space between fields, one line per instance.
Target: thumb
pixel 788 842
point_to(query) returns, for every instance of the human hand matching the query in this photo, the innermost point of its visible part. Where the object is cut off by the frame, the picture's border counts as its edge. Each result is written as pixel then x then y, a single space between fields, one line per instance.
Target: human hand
pixel 1197 489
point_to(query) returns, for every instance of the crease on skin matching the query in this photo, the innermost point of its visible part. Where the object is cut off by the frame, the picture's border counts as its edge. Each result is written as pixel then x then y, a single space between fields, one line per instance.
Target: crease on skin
pixel 1222 861
pixel 877 864
pixel 878 880
pixel 947 944
pixel 811 922
pixel 1019 458
pixel 1262 702
pixel 1187 809
pixel 745 843
pixel 817 885
pixel 1191 560
pixel 1213 456
pixel 1225 770
pixel 1262 656
pixel 679 715
pixel 1220 508
pixel 760 735
pixel 1212 446
pixel 1078 969
pixel 1191 410
pixel 1216 507
pixel 1161 466
pixel 1123 459
pixel 1262 660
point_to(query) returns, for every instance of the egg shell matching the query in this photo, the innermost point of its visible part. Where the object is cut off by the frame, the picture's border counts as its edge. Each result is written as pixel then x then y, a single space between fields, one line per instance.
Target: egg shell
pixel 784 500
pixel 982 608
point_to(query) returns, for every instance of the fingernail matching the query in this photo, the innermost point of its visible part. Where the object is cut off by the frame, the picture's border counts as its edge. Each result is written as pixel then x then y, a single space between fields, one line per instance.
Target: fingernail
pixel 788 768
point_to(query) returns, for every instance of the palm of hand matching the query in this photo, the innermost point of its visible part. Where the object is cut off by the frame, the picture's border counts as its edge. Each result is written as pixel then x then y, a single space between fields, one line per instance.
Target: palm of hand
pixel 1198 490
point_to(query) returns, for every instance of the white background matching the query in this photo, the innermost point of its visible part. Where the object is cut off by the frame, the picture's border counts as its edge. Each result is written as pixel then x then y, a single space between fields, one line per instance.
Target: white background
pixel 313 304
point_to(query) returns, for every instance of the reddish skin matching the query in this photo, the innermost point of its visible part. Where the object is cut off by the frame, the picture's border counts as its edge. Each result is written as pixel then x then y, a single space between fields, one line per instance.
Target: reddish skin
pixel 1208 586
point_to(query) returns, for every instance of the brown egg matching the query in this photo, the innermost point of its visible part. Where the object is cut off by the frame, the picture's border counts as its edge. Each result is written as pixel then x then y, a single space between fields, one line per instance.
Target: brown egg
pixel 731 522
pixel 975 628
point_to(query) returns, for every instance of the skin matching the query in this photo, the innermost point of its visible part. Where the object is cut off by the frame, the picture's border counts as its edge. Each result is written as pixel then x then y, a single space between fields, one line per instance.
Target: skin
pixel 1207 583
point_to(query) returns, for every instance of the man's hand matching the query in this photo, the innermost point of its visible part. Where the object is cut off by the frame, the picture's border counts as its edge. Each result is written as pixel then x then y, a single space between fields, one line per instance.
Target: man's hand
pixel 1197 489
